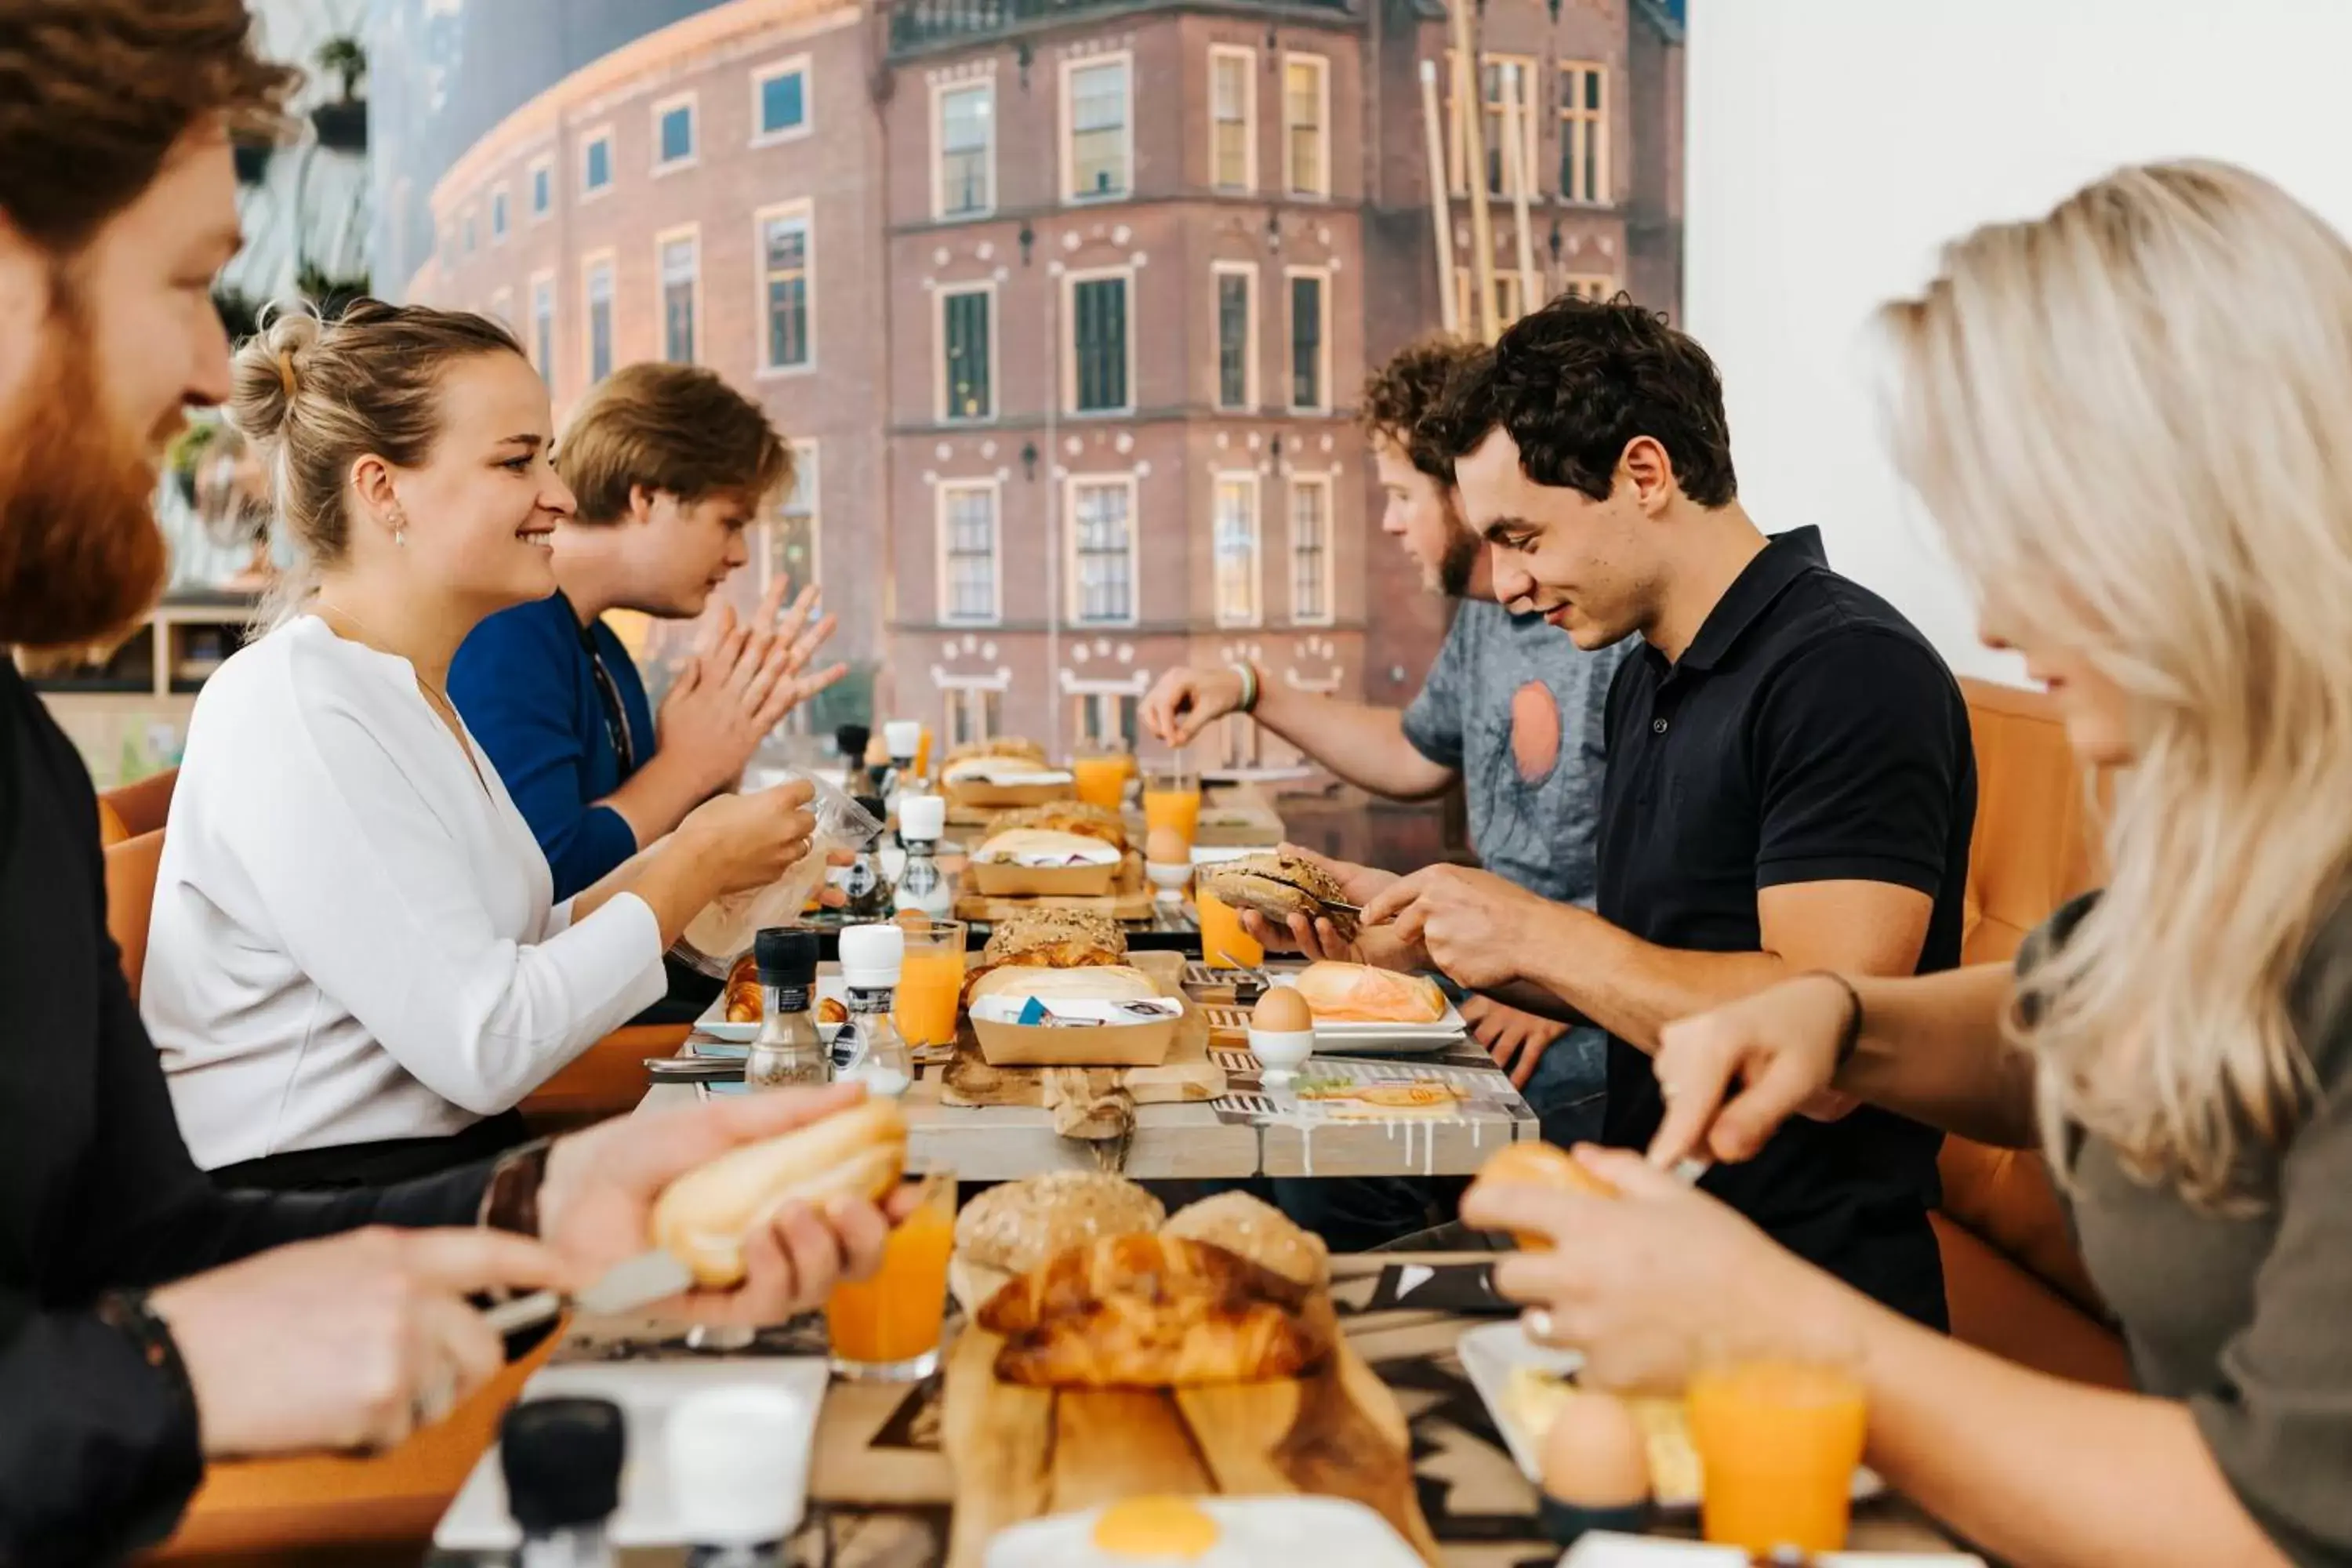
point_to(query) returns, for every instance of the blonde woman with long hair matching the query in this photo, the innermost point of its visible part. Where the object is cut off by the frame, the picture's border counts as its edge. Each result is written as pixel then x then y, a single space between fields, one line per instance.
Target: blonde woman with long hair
pixel 2133 421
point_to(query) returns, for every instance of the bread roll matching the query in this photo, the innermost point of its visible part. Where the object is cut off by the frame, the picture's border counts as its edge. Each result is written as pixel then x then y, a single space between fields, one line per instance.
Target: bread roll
pixel 702 1217
pixel 1257 1231
pixel 1017 1226
pixel 1098 983
pixel 1359 993
pixel 1028 846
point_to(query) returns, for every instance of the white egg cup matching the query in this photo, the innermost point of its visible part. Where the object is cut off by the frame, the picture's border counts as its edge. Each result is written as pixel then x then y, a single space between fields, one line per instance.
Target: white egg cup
pixel 1280 1054
pixel 1171 877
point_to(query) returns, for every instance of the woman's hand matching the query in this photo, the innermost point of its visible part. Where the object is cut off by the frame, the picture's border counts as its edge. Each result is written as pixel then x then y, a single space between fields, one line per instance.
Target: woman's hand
pixel 596 1206
pixel 1731 1077
pixel 1648 1282
pixel 751 840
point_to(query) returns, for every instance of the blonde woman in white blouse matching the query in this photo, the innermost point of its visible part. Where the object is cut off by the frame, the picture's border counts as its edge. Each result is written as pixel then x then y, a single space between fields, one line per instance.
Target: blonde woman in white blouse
pixel 354 969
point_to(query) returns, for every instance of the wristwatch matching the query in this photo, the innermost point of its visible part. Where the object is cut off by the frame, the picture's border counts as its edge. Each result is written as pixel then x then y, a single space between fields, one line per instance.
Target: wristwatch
pixel 510 1201
pixel 129 1314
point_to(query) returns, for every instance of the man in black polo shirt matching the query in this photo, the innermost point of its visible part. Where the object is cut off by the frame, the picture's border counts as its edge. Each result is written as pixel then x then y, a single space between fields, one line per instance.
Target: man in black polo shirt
pixel 1791 785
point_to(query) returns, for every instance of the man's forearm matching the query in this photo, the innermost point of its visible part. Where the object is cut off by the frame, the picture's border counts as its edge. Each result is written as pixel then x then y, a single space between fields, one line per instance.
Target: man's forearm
pixel 656 798
pixel 1363 744
pixel 1581 969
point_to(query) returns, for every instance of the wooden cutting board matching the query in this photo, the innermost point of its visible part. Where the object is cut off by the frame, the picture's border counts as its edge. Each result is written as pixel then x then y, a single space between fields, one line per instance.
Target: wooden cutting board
pixel 1128 899
pixel 1024 1453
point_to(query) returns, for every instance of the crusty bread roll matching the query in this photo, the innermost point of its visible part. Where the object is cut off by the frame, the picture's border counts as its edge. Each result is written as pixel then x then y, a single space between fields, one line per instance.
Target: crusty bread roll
pixel 1257 1231
pixel 1023 846
pixel 1096 982
pixel 702 1217
pixel 1017 1226
pixel 1359 993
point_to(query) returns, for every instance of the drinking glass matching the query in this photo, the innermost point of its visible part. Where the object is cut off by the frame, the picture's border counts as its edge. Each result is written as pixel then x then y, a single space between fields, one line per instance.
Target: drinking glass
pixel 887 1328
pixel 1779 1436
pixel 1171 798
pixel 1223 944
pixel 1101 775
pixel 931 982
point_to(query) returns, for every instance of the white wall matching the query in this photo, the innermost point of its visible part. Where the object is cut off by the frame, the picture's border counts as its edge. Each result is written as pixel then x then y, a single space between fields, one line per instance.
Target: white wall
pixel 1834 144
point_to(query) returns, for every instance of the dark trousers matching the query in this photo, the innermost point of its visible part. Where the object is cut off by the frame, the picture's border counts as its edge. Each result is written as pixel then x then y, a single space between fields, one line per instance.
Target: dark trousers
pixel 691 992
pixel 380 1163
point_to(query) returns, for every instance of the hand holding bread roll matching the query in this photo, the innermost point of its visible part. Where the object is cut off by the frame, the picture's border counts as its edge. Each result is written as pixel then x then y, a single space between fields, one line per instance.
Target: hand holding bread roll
pixel 1539 1165
pixel 704 1217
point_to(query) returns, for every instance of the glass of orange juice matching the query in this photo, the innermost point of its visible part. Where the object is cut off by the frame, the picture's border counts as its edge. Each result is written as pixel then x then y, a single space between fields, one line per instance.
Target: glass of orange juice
pixel 1223 944
pixel 1777 1441
pixel 887 1328
pixel 1101 775
pixel 1171 798
pixel 931 982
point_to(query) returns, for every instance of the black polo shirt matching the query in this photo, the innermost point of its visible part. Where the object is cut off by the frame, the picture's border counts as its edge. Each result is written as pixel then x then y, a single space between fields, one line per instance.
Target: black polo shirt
pixel 1809 733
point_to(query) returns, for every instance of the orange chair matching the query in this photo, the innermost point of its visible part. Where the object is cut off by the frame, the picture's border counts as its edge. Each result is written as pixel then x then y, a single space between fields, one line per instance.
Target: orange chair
pixel 130 868
pixel 142 807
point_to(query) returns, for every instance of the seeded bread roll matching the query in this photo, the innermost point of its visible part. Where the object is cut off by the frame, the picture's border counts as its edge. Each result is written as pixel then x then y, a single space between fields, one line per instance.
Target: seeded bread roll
pixel 1257 1231
pixel 1278 887
pixel 1011 1230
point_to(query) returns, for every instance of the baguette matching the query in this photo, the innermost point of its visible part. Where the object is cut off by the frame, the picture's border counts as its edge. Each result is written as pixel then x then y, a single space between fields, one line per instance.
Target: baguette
pixel 703 1217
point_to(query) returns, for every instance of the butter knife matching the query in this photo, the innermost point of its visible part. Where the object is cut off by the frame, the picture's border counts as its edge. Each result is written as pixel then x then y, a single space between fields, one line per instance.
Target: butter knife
pixel 627 1285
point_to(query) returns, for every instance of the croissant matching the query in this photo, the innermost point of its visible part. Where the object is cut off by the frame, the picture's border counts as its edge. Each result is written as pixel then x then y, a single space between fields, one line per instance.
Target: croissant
pixel 1130 1342
pixel 746 1003
pixel 1153 1271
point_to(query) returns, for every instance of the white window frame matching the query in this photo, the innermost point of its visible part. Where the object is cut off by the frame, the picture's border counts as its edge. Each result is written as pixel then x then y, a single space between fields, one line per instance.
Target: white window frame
pixel 691 231
pixel 1533 291
pixel 1570 119
pixel 1247 57
pixel 807 459
pixel 994 490
pixel 1330 491
pixel 760 135
pixel 542 280
pixel 805 210
pixel 1073 594
pixel 1246 480
pixel 1291 185
pixel 542 164
pixel 501 213
pixel 472 230
pixel 660 109
pixel 1251 392
pixel 1594 286
pixel 1323 340
pixel 941 92
pixel 1070 281
pixel 589 138
pixel 942 413
pixel 589 262
pixel 970 693
pixel 1071 196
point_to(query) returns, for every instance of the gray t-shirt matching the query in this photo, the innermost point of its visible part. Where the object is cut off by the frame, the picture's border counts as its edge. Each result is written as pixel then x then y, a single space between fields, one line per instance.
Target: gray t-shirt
pixel 1516 707
pixel 2242 1315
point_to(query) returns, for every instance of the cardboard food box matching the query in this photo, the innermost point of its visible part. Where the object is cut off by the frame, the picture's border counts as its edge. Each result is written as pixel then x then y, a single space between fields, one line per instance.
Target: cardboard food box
pixel 1003 879
pixel 985 794
pixel 1139 1045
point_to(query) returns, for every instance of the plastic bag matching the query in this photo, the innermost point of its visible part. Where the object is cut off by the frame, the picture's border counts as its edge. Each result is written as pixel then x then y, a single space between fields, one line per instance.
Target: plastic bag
pixel 725 930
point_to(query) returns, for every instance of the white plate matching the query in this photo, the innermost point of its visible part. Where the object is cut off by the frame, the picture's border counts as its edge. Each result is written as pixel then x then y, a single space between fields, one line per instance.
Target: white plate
pixel 1341 1040
pixel 1491 1352
pixel 1605 1549
pixel 645 1390
pixel 733 1033
pixel 1253 1532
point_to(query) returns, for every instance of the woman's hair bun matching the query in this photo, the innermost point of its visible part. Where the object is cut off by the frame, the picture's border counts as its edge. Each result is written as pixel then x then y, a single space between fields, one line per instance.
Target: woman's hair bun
pixel 267 372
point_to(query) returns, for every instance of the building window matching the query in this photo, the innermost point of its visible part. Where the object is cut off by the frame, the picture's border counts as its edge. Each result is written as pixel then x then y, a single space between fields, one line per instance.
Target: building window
pixel 542 187
pixel 542 326
pixel 1310 550
pixel 976 713
pixel 965 352
pixel 681 270
pixel 672 134
pixel 1236 550
pixel 600 319
pixel 1106 719
pixel 472 233
pixel 596 163
pixel 785 247
pixel 1097 109
pixel 1241 741
pixel 499 215
pixel 967 550
pixel 1310 307
pixel 1236 337
pixel 1233 119
pixel 1103 511
pixel 780 102
pixel 502 308
pixel 1510 92
pixel 1599 287
pixel 1306 112
pixel 1514 295
pixel 967 150
pixel 1584 131
pixel 1098 342
pixel 790 550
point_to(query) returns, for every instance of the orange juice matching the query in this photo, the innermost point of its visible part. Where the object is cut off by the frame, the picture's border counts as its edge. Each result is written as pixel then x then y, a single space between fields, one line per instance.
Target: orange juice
pixel 887 1328
pixel 1223 944
pixel 1778 1443
pixel 1176 808
pixel 1102 780
pixel 931 982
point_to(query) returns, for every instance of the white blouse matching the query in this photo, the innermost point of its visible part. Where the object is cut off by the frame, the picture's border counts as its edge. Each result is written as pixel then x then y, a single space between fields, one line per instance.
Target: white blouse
pixel 353 938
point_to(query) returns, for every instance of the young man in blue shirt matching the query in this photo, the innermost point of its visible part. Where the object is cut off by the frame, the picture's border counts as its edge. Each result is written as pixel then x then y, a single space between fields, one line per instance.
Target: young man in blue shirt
pixel 668 466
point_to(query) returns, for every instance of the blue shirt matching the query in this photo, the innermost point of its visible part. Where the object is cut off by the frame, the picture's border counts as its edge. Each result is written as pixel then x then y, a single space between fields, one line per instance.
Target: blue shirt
pixel 526 683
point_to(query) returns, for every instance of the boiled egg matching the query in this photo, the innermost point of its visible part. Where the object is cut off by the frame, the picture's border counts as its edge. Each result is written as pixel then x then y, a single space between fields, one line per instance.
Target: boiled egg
pixel 1595 1455
pixel 1155 1530
pixel 1166 847
pixel 1282 1011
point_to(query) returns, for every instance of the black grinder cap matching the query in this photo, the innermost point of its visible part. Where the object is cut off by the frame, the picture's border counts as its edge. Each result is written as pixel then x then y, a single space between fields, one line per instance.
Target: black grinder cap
pixel 785 956
pixel 562 1458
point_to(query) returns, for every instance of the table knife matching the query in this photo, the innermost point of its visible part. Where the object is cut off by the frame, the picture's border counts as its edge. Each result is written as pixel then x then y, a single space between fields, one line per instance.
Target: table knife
pixel 637 1283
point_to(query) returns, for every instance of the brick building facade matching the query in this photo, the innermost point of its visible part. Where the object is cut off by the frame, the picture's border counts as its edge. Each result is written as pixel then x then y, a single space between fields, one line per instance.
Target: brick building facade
pixel 1067 303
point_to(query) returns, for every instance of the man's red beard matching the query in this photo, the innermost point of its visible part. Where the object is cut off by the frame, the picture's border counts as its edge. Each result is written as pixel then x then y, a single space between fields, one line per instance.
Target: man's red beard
pixel 81 558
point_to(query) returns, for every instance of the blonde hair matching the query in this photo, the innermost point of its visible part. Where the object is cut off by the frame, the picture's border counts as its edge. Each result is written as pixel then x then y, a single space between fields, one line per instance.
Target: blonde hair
pixel 679 428
pixel 315 397
pixel 2133 421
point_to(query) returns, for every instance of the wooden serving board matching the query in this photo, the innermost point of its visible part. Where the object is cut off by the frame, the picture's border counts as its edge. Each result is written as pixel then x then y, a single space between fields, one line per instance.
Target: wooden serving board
pixel 1024 1453
pixel 1129 899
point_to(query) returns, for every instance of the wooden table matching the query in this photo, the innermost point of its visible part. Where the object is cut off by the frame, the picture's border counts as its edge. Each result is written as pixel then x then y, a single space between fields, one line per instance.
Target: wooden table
pixel 880 1489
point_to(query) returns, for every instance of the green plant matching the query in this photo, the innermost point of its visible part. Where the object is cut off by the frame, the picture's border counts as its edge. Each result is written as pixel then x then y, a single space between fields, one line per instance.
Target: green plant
pixel 187 448
pixel 330 294
pixel 345 58
pixel 240 317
